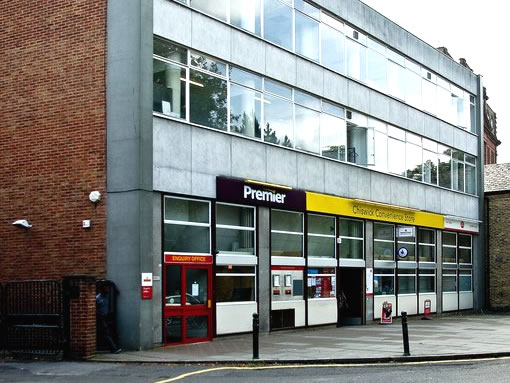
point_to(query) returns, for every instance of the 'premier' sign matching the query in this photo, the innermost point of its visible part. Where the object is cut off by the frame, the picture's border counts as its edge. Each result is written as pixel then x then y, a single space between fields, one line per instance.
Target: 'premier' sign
pixel 263 195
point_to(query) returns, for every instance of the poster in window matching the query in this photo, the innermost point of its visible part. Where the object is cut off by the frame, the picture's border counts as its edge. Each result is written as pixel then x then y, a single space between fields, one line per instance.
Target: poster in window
pixel 288 280
pixel 276 280
pixel 369 282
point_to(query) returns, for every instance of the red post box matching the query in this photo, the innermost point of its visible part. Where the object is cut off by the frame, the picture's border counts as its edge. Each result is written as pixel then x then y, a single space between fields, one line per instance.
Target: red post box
pixel 427 304
pixel 387 309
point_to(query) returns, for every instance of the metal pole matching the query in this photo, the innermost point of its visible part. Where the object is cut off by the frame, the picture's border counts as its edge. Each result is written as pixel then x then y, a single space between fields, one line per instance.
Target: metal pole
pixel 405 334
pixel 255 336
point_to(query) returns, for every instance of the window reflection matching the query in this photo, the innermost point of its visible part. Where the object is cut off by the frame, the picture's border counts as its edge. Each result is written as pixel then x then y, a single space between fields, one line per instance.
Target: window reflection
pixel 246 14
pixel 376 69
pixel 333 137
pixel 278 121
pixel 208 100
pixel 307 129
pixel 307 36
pixel 356 60
pixel 360 140
pixel 445 164
pixel 396 80
pixel 245 111
pixel 169 89
pixel 333 43
pixel 278 23
pixel 217 8
pixel 413 161
pixel 430 164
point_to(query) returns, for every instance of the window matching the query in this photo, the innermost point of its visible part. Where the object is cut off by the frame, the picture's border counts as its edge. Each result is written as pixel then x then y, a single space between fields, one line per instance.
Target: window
pixel 427 281
pixel 381 146
pixel 235 229
pixel 355 60
pixel 430 162
pixel 426 245
pixel 235 284
pixel 360 140
pixel 376 65
pixel 449 281
pixel 396 80
pixel 333 136
pixel 286 233
pixel 413 88
pixel 307 35
pixel 245 111
pixel 307 128
pixel 429 96
pixel 186 226
pixel 352 239
pixel 169 89
pixel 278 121
pixel 278 23
pixel 458 170
pixel 245 14
pixel 472 114
pixel 414 161
pixel 384 281
pixel 384 242
pixel 470 177
pixel 396 151
pixel 332 45
pixel 408 243
pixel 216 8
pixel 406 281
pixel 445 167
pixel 465 280
pixel 449 247
pixel 321 236
pixel 169 51
pixel 321 283
pixel 465 249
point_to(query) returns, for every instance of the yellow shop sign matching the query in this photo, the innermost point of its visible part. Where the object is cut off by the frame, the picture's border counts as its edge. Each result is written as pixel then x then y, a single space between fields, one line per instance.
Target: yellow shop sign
pixel 322 203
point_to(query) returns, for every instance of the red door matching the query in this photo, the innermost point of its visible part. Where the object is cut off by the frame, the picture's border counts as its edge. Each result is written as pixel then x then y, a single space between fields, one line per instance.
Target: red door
pixel 187 303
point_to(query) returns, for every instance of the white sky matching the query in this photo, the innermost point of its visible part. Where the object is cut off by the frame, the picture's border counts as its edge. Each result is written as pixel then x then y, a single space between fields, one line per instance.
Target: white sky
pixel 478 31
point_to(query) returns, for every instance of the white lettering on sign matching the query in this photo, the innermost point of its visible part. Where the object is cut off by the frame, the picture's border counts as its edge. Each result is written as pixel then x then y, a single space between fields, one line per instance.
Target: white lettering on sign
pixel 263 195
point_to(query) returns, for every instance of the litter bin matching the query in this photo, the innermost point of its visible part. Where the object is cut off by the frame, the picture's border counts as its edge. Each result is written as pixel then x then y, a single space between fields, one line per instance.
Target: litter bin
pixel 110 291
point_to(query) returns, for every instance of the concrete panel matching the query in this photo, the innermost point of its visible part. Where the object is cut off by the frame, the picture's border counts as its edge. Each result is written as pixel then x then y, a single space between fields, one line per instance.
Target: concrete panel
pixel 336 178
pixel 397 36
pixel 398 113
pixel 263 229
pixel 245 48
pixel 380 185
pixel 461 75
pixel 204 185
pixel 210 36
pixel 280 64
pixel 281 166
pixel 335 87
pixel 337 7
pixel 210 152
pixel 310 173
pixel 399 191
pixel 462 205
pixel 448 203
pixel 431 58
pixel 157 269
pixel 172 180
pixel 248 159
pixel 417 195
pixel 415 47
pixel 123 164
pixel 430 127
pixel 377 24
pixel 309 76
pixel 356 14
pixel 445 66
pixel 433 199
pixel 446 133
pixel 358 97
pixel 415 121
pixel 379 105
pixel 460 139
pixel 172 21
pixel 472 144
pixel 359 183
pixel 172 144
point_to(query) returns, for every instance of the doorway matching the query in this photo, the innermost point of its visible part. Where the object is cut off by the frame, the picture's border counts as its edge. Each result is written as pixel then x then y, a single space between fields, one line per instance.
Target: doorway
pixel 350 281
pixel 187 304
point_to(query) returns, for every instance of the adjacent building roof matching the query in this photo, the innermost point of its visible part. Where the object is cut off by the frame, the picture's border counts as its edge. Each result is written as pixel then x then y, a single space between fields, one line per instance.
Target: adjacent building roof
pixel 497 177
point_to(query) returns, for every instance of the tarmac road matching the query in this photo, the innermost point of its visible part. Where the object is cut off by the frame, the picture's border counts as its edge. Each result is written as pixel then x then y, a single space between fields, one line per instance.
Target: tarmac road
pixel 494 370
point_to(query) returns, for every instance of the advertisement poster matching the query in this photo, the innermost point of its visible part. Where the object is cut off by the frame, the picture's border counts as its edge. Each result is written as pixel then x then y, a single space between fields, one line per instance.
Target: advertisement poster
pixel 370 282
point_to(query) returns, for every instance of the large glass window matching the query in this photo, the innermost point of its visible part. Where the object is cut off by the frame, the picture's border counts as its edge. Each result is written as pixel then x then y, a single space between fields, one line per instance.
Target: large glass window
pixel 429 97
pixel 169 89
pixel 321 236
pixel 376 65
pixel 413 89
pixel 458 170
pixel 430 162
pixel 217 8
pixel 278 23
pixel 406 281
pixel 307 129
pixel 445 167
pixel 245 111
pixel 396 151
pixel 245 14
pixel 381 149
pixel 307 36
pixel 235 229
pixel 384 281
pixel 235 284
pixel 396 80
pixel 208 100
pixel 351 239
pixel 465 249
pixel 333 137
pixel 278 121
pixel 470 177
pixel 332 45
pixel 427 281
pixel 186 226
pixel 169 51
pixel 426 245
pixel 355 59
pixel 449 247
pixel 414 161
pixel 384 242
pixel 321 283
pixel 360 140
pixel 286 233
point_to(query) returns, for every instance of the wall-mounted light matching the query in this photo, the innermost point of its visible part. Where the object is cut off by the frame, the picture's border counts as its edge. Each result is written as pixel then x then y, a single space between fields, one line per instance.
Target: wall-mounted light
pixel 95 196
pixel 23 223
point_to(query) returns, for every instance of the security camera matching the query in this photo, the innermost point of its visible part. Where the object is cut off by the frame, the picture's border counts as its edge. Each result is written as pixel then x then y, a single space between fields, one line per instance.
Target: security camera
pixel 94 196
pixel 22 223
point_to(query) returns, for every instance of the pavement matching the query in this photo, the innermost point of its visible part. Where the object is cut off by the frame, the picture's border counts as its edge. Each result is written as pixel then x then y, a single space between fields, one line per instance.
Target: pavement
pixel 461 336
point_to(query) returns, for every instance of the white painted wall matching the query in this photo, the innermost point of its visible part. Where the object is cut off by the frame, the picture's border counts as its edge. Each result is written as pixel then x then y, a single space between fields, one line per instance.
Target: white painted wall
pixel 450 302
pixel 433 302
pixel 234 317
pixel 322 311
pixel 465 300
pixel 378 303
pixel 299 310
pixel 408 303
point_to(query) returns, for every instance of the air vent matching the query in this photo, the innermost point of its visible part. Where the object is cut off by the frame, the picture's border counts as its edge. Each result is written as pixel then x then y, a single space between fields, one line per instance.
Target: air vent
pixel 349 114
pixel 429 76
pixel 355 34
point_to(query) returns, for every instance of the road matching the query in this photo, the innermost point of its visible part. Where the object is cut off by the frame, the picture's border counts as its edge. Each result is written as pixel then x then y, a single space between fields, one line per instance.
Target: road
pixel 472 371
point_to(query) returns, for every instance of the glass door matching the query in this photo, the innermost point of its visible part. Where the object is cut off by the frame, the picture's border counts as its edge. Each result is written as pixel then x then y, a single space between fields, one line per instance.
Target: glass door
pixel 187 311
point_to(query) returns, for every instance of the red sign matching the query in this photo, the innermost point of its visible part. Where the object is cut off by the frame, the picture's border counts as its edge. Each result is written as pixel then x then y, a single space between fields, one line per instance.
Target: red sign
pixel 176 258
pixel 146 292
pixel 386 317
pixel 426 308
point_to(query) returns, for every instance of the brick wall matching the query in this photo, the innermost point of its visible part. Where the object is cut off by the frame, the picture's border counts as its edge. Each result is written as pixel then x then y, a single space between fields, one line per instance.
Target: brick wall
pixel 52 137
pixel 499 251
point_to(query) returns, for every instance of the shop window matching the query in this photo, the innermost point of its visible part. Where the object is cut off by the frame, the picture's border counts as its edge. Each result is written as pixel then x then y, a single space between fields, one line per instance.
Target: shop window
pixel 169 89
pixel 235 229
pixel 465 280
pixel 321 236
pixel 427 281
pixel 286 233
pixel 352 243
pixel 235 284
pixel 407 281
pixel 245 14
pixel 278 23
pixel 245 111
pixel 449 281
pixel 384 242
pixel 333 43
pixel 426 245
pixel 186 226
pixel 217 8
pixel 307 35
pixel 449 247
pixel 408 243
pixel 321 283
pixel 465 249
pixel 384 282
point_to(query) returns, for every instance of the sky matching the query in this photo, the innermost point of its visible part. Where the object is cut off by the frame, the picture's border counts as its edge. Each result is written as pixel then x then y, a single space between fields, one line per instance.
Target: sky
pixel 478 31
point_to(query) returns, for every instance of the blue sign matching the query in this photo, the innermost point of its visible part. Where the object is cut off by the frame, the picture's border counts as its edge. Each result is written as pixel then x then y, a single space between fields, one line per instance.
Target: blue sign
pixel 402 252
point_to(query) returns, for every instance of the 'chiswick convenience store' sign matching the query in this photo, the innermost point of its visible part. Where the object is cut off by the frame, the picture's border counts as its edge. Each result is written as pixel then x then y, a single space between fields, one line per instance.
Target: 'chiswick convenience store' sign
pixel 250 192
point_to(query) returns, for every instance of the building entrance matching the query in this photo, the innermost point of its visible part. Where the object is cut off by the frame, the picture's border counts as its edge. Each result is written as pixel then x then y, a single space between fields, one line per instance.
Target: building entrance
pixel 187 303
pixel 350 305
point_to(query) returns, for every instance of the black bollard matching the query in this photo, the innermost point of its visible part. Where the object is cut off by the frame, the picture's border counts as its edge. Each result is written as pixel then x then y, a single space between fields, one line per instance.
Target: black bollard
pixel 405 334
pixel 255 336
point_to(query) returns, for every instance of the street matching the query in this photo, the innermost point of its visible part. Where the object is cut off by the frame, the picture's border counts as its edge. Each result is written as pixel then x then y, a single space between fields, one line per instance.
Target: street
pixel 494 370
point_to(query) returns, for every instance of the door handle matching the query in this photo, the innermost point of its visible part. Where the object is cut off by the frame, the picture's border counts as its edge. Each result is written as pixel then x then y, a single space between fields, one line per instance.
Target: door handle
pixel 208 303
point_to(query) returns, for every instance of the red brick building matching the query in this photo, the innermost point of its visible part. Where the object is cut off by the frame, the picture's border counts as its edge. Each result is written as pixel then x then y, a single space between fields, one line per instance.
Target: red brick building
pixel 490 139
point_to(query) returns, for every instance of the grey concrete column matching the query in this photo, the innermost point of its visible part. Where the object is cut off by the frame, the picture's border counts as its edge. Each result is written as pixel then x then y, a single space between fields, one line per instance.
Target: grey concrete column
pixel 129 164
pixel 264 258
pixel 369 263
pixel 157 267
pixel 439 272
